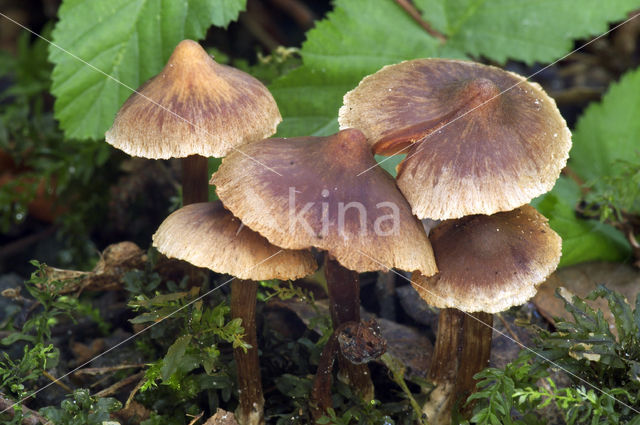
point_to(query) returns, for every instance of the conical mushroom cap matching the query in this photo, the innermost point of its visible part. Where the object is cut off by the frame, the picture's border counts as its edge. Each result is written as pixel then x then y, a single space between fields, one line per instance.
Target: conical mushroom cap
pixel 478 139
pixel 207 235
pixel 490 263
pixel 311 196
pixel 194 106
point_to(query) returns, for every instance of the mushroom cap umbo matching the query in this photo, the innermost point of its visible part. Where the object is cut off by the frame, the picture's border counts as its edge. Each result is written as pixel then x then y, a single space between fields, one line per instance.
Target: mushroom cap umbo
pixel 194 106
pixel 478 139
pixel 490 263
pixel 305 192
pixel 207 235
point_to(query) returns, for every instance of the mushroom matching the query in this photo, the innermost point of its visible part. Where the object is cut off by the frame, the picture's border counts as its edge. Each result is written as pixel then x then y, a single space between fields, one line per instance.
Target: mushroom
pixel 206 235
pixel 194 108
pixel 479 140
pixel 486 264
pixel 316 200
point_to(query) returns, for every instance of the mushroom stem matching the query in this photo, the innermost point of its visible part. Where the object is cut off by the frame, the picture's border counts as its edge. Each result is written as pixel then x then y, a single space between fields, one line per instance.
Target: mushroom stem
pixel 251 400
pixel 343 287
pixel 463 348
pixel 358 342
pixel 321 390
pixel 195 179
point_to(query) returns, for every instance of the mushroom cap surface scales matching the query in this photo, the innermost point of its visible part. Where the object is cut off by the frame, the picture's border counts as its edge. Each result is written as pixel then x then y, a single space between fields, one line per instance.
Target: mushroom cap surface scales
pixel 490 263
pixel 305 192
pixel 194 106
pixel 207 235
pixel 478 139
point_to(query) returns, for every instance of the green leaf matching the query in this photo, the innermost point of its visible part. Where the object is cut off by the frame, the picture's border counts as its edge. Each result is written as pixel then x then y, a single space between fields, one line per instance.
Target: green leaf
pixel 621 310
pixel 389 163
pixel 293 386
pixel 608 131
pixel 582 240
pixel 172 361
pixel 130 40
pixel 526 30
pixel 588 322
pixel 360 36
pixel 356 39
pixel 309 101
pixel 146 317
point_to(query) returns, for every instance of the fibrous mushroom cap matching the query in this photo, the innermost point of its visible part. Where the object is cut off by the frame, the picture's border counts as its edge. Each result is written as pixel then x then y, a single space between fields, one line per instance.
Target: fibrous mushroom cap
pixel 478 139
pixel 490 263
pixel 207 235
pixel 195 106
pixel 311 196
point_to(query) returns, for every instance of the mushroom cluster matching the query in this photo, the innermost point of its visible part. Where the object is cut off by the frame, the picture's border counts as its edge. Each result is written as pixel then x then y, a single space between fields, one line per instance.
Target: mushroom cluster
pixel 480 143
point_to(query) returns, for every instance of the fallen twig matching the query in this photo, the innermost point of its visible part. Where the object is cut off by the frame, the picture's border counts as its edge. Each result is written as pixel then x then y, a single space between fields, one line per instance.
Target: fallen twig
pixel 511 332
pixel 31 417
pixel 115 387
pixel 57 381
pixel 107 369
pixel 196 419
pixel 134 391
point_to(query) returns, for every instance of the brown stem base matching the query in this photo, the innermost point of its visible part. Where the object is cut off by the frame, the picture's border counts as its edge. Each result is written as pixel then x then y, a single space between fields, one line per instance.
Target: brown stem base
pixel 357 343
pixel 463 348
pixel 195 179
pixel 344 301
pixel 321 391
pixel 251 400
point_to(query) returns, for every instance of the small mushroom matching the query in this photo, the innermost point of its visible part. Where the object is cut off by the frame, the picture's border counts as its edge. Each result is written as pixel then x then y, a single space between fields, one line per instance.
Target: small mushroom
pixel 490 263
pixel 316 199
pixel 194 108
pixel 207 235
pixel 486 264
pixel 478 139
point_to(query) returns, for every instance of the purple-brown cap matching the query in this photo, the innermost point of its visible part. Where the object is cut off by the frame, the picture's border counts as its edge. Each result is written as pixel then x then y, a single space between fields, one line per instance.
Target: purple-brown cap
pixel 195 106
pixel 305 192
pixel 490 263
pixel 207 235
pixel 478 139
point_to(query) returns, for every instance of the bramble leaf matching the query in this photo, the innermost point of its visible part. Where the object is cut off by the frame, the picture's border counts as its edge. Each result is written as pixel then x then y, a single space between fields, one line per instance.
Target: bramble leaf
pixel 128 40
pixel 356 39
pixel 582 240
pixel 608 131
pixel 530 31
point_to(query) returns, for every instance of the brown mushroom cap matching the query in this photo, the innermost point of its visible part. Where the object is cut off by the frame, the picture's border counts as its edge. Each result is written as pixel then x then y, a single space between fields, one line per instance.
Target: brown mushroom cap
pixel 480 140
pixel 206 109
pixel 317 199
pixel 490 263
pixel 207 235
